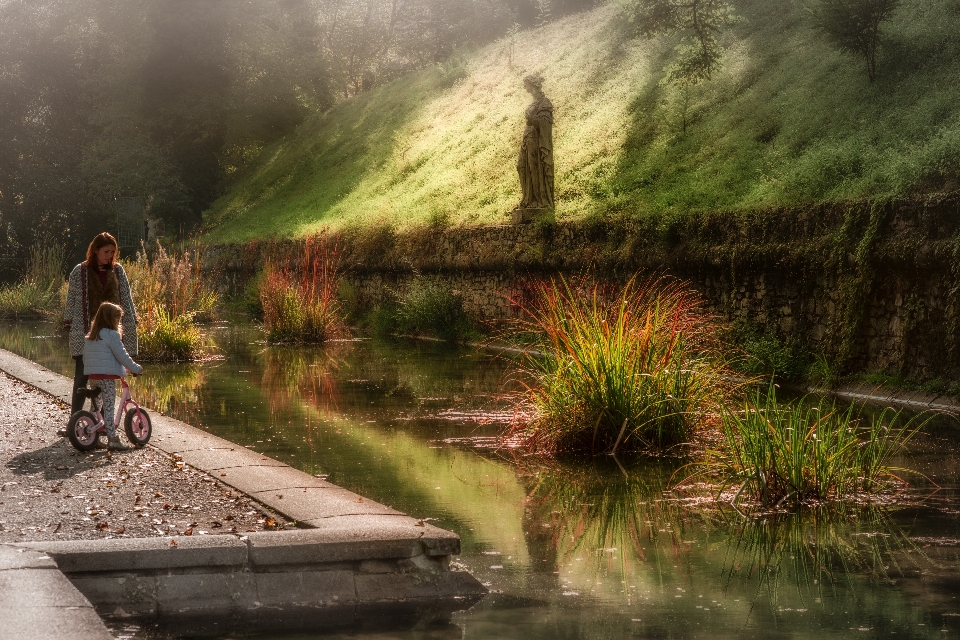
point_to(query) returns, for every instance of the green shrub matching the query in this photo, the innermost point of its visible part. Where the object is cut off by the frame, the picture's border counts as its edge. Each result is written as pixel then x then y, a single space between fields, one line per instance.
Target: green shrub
pixel 382 319
pixel 429 308
pixel 767 354
pixel 636 368
pixel 251 302
pixel 805 451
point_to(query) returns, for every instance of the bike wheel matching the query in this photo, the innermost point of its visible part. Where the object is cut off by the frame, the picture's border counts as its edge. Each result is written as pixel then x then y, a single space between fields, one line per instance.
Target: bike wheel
pixel 138 427
pixel 82 431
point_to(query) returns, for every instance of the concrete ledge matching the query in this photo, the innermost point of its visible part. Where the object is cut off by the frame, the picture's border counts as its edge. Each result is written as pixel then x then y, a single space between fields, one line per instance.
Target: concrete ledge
pixel 145 554
pixel 354 540
pixel 373 560
pixel 38 601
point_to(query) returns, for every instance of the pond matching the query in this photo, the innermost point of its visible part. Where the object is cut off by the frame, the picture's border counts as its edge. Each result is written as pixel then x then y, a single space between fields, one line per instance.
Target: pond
pixel 599 550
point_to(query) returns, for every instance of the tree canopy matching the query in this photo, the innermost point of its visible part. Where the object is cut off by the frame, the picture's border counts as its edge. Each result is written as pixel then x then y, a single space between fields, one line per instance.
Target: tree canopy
pixel 162 100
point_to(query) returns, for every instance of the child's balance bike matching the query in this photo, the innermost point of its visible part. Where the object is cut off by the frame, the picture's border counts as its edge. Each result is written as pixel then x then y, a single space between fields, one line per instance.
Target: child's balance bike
pixel 86 426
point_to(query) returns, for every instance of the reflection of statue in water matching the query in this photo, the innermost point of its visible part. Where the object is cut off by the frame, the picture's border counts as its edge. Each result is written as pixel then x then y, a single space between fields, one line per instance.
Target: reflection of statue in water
pixel 535 164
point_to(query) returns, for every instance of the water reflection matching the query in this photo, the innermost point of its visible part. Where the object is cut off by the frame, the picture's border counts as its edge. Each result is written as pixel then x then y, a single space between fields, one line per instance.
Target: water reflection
pixel 594 551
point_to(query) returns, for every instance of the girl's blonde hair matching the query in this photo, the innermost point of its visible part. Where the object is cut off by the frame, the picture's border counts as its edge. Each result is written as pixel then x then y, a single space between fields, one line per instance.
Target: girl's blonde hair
pixel 107 317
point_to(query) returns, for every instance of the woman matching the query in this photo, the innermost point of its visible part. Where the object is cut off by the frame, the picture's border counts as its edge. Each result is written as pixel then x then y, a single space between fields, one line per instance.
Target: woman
pixel 98 279
pixel 535 163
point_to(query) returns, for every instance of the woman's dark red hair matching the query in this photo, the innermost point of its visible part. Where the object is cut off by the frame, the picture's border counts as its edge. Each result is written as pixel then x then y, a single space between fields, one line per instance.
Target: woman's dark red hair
pixel 99 242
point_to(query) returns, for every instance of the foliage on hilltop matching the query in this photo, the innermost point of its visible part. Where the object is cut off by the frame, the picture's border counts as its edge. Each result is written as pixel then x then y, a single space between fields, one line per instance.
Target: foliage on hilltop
pixel 786 118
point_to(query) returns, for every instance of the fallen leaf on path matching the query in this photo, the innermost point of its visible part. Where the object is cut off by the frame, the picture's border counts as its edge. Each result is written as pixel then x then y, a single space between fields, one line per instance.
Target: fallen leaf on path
pixel 122 529
pixel 188 532
pixel 173 543
pixel 103 526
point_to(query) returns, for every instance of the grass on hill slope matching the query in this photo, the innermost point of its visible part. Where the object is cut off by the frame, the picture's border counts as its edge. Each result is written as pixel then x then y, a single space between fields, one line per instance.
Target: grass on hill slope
pixel 787 121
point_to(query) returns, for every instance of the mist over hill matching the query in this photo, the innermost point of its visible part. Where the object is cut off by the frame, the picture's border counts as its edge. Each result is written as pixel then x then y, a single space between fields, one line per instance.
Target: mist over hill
pixel 787 120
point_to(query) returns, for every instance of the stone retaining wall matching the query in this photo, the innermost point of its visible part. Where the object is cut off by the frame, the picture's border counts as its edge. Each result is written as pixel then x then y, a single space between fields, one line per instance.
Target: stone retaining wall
pixel 871 286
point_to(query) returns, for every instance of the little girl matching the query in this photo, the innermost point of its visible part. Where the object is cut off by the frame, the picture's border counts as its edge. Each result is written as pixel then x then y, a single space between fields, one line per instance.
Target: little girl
pixel 105 361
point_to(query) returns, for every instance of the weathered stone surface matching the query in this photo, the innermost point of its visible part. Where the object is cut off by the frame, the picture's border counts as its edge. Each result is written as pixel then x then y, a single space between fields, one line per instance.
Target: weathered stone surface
pixel 315 503
pixel 315 546
pixel 34 374
pixel 306 588
pixel 138 554
pixel 218 459
pixel 170 436
pixel 38 601
pixel 19 558
pixel 37 587
pixel 391 587
pixel 261 479
pixel 62 623
pixel 120 595
pixel 210 593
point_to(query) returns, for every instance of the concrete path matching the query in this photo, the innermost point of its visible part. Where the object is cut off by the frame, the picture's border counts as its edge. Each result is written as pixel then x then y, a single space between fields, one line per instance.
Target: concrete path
pixel 37 601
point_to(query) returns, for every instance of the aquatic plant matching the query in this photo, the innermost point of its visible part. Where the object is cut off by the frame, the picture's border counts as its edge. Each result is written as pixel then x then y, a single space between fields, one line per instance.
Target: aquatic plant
pixel 299 294
pixel 634 368
pixel 807 451
pixel 164 337
pixel 170 293
pixel 429 308
pixel 171 280
pixel 38 292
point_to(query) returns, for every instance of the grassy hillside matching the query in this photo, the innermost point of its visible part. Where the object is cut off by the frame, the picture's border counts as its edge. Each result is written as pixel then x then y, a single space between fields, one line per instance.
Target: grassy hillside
pixel 788 121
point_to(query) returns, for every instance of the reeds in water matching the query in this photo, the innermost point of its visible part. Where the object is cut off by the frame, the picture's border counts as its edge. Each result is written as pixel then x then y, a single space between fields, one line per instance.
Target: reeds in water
pixel 170 293
pixel 299 295
pixel 38 293
pixel 804 451
pixel 634 368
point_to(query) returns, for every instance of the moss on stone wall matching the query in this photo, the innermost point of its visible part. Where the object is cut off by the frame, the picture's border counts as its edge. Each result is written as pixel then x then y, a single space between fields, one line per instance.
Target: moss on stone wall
pixel 871 286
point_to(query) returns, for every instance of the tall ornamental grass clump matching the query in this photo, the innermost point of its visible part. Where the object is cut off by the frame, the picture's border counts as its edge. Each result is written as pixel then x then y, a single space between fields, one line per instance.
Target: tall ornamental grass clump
pixel 171 295
pixel 637 368
pixel 38 293
pixel 802 451
pixel 299 296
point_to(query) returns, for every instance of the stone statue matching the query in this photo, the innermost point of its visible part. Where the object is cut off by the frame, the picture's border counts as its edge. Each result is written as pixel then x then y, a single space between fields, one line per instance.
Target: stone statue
pixel 535 163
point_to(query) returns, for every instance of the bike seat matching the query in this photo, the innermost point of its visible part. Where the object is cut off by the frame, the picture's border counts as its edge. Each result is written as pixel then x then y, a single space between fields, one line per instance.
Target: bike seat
pixel 89 393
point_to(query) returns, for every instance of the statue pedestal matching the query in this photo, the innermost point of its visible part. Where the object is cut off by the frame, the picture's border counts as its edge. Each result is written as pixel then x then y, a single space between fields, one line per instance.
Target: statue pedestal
pixel 526 216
